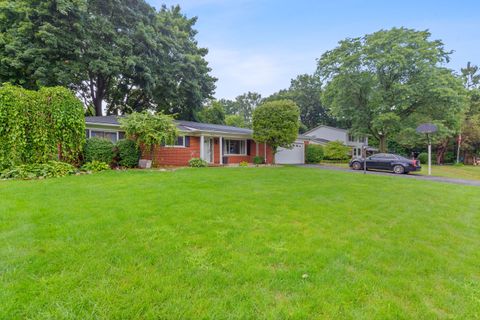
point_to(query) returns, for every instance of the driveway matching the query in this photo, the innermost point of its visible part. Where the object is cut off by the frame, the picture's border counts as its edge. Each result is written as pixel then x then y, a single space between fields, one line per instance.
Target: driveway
pixel 406 176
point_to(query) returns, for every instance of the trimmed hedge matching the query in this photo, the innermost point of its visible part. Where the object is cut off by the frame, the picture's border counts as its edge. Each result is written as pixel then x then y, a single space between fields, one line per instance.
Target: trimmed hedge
pixel 100 150
pixel 128 153
pixel 314 153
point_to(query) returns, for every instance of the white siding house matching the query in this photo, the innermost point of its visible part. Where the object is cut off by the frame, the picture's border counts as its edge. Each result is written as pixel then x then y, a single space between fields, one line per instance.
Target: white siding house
pixel 324 134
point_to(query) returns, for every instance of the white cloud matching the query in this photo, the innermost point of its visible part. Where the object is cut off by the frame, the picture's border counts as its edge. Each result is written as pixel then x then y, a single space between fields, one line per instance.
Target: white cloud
pixel 242 71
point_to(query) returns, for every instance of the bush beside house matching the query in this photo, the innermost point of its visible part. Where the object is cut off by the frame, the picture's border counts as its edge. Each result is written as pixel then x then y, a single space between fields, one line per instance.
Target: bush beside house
pixel 336 150
pixel 98 149
pixel 127 153
pixel 314 153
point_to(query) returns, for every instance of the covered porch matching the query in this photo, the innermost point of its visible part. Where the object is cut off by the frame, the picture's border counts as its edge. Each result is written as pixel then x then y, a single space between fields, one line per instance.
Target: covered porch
pixel 231 149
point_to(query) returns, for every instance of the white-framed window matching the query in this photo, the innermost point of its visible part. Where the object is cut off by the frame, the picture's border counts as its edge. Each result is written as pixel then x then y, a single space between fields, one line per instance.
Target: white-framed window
pixel 179 142
pixel 232 147
pixel 113 136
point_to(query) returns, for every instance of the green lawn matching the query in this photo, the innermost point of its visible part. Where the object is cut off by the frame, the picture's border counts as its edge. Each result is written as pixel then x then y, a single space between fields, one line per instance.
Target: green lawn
pixel 447 171
pixel 239 243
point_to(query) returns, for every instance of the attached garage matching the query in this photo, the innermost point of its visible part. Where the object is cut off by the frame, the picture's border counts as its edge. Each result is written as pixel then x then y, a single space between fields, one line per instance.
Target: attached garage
pixel 295 155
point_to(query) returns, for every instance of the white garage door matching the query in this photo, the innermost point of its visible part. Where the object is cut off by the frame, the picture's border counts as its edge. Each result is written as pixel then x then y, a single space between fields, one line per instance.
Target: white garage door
pixel 291 156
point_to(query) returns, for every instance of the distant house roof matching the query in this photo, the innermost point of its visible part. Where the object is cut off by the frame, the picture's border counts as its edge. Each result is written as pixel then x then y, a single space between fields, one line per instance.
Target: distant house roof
pixel 325 126
pixel 184 126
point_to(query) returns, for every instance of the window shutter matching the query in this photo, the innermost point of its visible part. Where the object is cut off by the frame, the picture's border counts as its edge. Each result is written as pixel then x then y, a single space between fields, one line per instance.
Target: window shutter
pixel 248 147
pixel 187 141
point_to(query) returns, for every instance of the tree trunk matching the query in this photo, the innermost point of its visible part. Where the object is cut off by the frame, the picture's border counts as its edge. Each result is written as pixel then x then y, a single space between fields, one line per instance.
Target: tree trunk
pixel 98 88
pixel 441 150
pixel 382 144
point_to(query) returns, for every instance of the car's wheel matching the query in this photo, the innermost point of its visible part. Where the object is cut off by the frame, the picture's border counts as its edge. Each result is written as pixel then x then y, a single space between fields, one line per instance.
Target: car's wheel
pixel 398 169
pixel 356 166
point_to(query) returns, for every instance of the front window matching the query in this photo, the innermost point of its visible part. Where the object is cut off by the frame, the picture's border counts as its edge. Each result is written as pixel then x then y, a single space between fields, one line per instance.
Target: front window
pixel 179 142
pixel 108 135
pixel 234 147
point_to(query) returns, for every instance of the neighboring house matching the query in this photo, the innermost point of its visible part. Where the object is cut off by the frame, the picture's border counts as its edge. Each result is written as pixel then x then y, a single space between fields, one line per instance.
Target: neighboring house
pixel 324 134
pixel 216 144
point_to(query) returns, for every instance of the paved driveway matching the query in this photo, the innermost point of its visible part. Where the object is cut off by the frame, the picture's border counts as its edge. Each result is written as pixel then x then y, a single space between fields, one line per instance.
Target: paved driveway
pixel 406 176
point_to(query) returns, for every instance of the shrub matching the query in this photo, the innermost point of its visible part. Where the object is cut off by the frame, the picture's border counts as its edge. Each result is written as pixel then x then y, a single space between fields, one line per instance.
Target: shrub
pixel 243 164
pixel 336 150
pixel 459 164
pixel 258 160
pixel 96 166
pixel 99 149
pixel 128 153
pixel 50 169
pixel 423 157
pixel 314 153
pixel 197 163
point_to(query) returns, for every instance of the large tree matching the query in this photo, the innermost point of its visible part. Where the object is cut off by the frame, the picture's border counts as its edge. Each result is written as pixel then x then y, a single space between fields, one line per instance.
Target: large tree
pixel 376 82
pixel 116 53
pixel 306 91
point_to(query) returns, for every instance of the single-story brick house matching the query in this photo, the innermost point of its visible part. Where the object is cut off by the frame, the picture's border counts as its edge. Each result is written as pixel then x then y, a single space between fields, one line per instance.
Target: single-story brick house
pixel 216 144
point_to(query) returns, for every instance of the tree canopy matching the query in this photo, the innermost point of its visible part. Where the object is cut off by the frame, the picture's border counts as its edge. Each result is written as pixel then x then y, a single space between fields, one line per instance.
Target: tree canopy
pixel 276 123
pixel 212 113
pixel 383 80
pixel 306 91
pixel 121 54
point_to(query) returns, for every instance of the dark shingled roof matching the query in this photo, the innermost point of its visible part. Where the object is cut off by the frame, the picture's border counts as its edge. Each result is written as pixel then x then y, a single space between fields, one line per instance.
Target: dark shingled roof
pixel 181 125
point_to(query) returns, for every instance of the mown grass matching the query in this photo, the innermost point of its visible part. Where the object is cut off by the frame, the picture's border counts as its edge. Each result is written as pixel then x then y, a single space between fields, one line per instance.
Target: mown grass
pixel 450 171
pixel 231 243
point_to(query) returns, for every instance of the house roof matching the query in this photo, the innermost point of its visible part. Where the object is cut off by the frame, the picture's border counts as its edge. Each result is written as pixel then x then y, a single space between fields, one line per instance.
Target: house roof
pixel 325 126
pixel 184 126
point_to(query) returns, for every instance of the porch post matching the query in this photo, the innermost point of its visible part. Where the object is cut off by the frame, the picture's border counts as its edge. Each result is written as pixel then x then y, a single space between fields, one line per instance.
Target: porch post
pixel 202 146
pixel 265 151
pixel 220 144
pixel 256 148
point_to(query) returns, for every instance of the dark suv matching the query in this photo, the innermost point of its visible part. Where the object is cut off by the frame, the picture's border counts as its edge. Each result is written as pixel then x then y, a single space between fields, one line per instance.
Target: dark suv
pixel 387 161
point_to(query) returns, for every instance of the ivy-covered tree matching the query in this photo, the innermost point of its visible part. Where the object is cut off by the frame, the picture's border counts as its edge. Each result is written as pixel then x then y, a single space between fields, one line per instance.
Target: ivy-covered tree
pixel 276 123
pixel 378 81
pixel 39 126
pixel 149 130
pixel 122 54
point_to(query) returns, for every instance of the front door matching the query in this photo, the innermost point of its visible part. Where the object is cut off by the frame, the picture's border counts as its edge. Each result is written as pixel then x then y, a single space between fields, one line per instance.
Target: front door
pixel 208 150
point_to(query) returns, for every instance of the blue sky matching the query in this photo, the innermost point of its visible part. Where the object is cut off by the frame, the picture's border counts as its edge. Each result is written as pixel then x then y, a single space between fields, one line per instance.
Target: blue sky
pixel 260 45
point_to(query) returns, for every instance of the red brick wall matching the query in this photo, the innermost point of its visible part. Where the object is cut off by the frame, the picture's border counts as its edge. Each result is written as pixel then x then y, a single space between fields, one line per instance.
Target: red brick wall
pixel 175 156
pixel 179 156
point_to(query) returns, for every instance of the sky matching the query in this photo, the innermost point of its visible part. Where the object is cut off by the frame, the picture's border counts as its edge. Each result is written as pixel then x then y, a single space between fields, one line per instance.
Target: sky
pixel 260 45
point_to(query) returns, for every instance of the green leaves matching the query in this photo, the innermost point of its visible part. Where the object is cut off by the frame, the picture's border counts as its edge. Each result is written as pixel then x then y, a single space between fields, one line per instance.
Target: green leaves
pixel 149 130
pixel 276 123
pixel 124 54
pixel 382 81
pixel 38 126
